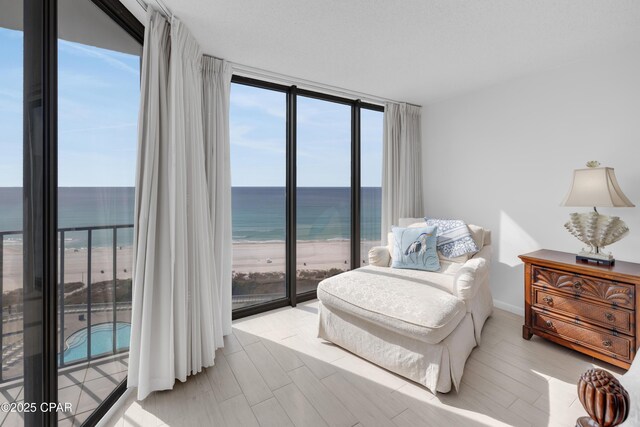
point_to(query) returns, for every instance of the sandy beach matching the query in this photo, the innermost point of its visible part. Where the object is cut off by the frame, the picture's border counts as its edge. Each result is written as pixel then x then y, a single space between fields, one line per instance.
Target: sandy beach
pixel 75 265
pixel 311 255
pixel 248 257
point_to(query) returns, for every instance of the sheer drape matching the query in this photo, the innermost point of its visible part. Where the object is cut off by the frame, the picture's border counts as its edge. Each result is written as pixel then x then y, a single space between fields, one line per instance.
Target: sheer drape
pixel 151 329
pixel 402 165
pixel 197 311
pixel 217 85
pixel 177 310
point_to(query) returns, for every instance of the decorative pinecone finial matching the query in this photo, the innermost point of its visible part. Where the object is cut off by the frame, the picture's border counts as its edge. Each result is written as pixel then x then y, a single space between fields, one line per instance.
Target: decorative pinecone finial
pixel 593 164
pixel 604 399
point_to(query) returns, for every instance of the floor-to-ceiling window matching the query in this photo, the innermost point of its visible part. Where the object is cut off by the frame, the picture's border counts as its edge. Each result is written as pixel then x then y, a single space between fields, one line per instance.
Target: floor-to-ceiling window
pixel 258 160
pixel 98 101
pixel 323 193
pixel 306 171
pixel 371 125
pixel 69 96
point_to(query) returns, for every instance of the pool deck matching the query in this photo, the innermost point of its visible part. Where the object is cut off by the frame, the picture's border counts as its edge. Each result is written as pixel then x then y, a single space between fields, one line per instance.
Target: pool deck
pixel 84 386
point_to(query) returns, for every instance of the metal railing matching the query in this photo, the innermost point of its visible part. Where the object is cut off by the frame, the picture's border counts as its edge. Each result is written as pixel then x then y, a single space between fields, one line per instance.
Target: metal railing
pixel 87 308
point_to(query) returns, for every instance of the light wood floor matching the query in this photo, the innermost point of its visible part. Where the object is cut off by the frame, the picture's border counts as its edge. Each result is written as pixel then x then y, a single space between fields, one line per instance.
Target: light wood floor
pixel 273 371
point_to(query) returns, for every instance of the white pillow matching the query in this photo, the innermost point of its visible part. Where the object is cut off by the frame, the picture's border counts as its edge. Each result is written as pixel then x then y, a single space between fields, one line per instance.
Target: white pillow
pixel 408 222
pixel 379 256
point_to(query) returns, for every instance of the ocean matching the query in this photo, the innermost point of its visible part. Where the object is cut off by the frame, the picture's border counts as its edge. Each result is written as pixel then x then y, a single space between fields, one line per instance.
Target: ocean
pixel 324 213
pixel 258 213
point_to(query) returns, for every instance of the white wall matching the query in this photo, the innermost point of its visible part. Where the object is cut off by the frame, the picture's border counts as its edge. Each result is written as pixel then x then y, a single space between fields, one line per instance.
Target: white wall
pixel 503 156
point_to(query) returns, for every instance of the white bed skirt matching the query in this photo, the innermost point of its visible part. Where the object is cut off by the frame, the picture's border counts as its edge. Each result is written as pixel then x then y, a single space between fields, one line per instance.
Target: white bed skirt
pixel 435 366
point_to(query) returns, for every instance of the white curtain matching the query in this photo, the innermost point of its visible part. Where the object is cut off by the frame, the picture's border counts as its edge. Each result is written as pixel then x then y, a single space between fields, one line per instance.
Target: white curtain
pixel 401 165
pixel 217 85
pixel 177 311
pixel 152 330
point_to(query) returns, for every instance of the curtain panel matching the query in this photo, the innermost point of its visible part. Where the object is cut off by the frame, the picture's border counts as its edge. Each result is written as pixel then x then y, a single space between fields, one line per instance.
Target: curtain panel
pixel 217 85
pixel 401 165
pixel 181 301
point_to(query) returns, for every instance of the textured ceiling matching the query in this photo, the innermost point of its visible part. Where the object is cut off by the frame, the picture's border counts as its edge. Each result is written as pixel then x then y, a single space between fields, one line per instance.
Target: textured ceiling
pixel 411 50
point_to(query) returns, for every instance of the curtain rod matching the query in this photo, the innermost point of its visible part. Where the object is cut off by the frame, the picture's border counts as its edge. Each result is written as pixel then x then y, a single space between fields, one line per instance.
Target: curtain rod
pixel 249 71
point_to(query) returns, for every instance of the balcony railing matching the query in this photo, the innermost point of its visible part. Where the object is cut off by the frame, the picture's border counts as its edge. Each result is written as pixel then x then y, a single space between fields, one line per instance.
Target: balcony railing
pixel 87 308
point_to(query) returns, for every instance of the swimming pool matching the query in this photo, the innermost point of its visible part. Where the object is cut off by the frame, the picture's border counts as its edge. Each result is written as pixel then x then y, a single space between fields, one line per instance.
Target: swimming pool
pixel 101 341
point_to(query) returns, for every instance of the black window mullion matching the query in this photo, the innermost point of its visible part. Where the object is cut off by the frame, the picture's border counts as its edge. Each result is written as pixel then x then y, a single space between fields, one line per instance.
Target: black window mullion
pixel 40 186
pixel 355 184
pixel 291 194
pixel 325 97
pixel 373 107
pixel 261 84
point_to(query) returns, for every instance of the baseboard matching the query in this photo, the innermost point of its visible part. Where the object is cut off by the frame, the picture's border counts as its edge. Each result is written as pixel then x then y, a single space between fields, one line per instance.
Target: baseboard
pixel 115 408
pixel 508 307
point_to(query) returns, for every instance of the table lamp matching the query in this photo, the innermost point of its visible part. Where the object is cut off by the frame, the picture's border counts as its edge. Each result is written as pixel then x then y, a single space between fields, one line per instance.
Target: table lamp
pixel 596 187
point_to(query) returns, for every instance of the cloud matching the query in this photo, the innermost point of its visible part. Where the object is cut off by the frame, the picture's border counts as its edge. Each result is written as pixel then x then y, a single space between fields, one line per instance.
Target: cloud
pixel 265 104
pixel 68 79
pixel 69 110
pixel 106 56
pixel 241 136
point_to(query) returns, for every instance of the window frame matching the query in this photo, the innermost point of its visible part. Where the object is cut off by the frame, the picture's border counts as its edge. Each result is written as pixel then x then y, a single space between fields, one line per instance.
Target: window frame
pixel 40 193
pixel 292 298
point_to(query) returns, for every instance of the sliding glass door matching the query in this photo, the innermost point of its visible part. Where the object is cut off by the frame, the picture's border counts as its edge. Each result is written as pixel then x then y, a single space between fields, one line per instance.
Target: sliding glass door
pixel 323 192
pixel 69 89
pixel 98 101
pixel 258 160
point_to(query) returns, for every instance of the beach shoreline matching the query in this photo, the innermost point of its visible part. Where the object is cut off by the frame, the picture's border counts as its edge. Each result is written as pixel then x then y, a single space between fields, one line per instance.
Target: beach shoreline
pixel 266 257
pixel 248 257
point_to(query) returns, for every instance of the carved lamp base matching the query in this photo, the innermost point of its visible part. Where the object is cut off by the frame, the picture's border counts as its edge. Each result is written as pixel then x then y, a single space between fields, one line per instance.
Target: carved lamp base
pixel 597 257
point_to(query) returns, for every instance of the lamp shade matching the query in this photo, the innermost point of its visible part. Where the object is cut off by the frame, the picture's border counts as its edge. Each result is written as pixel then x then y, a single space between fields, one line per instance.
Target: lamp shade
pixel 596 187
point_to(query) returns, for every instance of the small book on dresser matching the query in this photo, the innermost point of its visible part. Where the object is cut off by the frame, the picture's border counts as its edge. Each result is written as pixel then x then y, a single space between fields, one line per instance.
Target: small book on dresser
pixel 589 308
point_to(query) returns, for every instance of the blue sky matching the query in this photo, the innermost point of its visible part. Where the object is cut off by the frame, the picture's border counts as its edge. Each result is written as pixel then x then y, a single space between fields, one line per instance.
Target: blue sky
pixel 98 110
pixel 258 132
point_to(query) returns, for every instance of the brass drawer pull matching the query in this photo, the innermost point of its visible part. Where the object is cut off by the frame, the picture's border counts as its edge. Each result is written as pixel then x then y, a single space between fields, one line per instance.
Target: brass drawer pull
pixel 577 285
pixel 607 343
pixel 548 300
pixel 549 324
pixel 610 317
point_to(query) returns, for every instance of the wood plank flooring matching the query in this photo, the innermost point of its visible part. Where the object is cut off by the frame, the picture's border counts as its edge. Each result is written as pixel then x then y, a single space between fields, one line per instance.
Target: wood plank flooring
pixel 273 371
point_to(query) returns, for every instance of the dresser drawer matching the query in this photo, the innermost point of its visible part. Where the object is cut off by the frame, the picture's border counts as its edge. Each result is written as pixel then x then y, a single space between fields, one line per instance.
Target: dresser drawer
pixel 593 337
pixel 608 317
pixel 606 291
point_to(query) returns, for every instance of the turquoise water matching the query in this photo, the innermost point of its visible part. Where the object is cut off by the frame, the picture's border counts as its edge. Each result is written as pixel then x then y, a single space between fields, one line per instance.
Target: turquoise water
pixel 101 341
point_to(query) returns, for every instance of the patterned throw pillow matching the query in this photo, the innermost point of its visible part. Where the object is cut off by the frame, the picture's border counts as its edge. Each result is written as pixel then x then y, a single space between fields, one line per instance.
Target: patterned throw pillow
pixel 415 248
pixel 454 237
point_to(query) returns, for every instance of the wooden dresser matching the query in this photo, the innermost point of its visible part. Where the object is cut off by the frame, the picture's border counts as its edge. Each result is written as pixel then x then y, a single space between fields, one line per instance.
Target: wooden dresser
pixel 591 309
